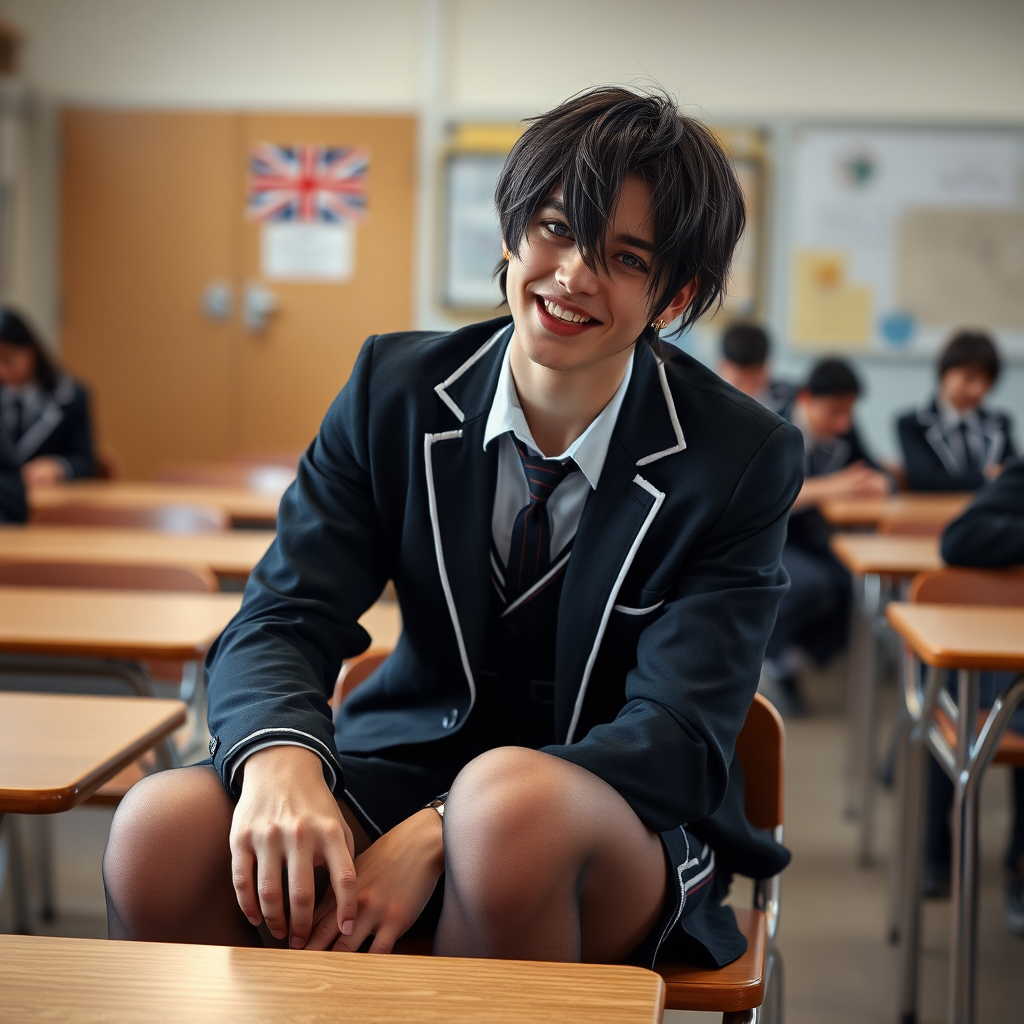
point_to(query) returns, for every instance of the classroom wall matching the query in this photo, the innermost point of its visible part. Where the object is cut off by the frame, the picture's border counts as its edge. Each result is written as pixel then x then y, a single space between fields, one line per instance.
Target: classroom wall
pixel 735 60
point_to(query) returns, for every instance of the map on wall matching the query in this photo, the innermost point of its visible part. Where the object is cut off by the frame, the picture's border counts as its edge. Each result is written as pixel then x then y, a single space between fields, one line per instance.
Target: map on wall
pixel 899 237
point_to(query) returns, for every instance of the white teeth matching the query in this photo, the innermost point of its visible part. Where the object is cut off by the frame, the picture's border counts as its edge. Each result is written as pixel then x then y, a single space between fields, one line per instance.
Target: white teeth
pixel 564 314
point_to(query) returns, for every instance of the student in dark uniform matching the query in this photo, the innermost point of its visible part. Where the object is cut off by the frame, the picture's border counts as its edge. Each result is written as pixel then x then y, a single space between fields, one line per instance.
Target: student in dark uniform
pixel 744 364
pixel 584 530
pixel 989 534
pixel 44 411
pixel 954 443
pixel 814 615
pixel 12 488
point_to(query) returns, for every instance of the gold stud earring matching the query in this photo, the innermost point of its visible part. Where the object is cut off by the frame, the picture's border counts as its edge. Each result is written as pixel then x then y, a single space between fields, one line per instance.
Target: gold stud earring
pixel 660 325
pixel 505 253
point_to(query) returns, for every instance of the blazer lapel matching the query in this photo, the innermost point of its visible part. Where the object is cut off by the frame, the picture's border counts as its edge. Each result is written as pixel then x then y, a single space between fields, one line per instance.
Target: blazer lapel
pixel 461 479
pixel 615 521
pixel 29 442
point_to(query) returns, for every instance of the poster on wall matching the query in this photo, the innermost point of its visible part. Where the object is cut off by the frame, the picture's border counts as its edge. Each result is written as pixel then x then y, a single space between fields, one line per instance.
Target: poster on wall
pixel 307 199
pixel 900 236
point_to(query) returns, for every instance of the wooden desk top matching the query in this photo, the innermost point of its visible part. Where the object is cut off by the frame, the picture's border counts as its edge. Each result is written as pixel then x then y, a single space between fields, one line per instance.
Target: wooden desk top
pixel 58 749
pixel 135 624
pixel 887 555
pixel 231 553
pixel 112 623
pixel 937 508
pixel 239 503
pixel 85 980
pixel 961 636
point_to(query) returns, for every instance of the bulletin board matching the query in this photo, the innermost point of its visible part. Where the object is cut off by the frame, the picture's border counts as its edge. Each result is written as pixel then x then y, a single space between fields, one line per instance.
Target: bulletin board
pixel 899 236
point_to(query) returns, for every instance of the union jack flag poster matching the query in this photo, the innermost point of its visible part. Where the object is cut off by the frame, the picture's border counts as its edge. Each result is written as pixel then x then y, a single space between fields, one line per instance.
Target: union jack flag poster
pixel 308 183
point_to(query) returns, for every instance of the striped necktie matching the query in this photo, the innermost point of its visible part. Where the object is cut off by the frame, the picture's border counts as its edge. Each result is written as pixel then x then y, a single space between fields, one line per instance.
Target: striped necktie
pixel 529 556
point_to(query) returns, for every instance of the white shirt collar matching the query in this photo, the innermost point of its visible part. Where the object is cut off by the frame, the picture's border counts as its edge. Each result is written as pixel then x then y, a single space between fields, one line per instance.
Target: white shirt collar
pixel 951 417
pixel 588 451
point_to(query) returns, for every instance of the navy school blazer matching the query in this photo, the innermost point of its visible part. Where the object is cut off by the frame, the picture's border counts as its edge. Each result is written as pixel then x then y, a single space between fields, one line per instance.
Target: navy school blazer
pixel 12 491
pixel 63 430
pixel 990 532
pixel 667 604
pixel 933 464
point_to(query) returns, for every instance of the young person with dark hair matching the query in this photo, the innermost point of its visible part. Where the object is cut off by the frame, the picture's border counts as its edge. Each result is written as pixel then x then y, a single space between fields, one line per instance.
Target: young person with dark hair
pixel 813 617
pixel 584 531
pixel 744 365
pixel 954 443
pixel 44 411
pixel 989 534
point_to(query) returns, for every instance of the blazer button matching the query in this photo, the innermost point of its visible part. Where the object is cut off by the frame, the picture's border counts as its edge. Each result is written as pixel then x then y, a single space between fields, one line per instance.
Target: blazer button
pixel 449 720
pixel 214 744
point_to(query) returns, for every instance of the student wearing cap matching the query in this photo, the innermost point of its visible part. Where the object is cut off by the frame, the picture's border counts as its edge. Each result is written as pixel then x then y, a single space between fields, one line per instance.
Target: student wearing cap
pixel 954 443
pixel 813 616
pixel 744 365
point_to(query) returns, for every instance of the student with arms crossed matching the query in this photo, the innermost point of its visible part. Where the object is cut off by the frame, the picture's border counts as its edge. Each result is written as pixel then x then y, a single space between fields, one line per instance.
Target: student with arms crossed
pixel 744 364
pixel 814 615
pixel 584 532
pixel 954 443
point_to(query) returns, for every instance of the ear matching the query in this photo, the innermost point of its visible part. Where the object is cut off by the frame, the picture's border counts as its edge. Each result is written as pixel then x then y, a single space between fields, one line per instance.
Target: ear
pixel 682 299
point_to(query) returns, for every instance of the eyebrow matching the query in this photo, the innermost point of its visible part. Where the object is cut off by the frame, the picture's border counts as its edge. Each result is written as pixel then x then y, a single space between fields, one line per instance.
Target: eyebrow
pixel 639 243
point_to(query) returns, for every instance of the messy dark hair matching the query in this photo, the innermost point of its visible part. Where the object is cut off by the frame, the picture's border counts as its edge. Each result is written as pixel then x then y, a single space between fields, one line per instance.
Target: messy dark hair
pixel 745 345
pixel 833 377
pixel 587 146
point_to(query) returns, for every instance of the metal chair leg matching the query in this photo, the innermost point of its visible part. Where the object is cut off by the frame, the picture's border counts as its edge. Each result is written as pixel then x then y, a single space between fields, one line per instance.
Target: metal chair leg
pixel 901 742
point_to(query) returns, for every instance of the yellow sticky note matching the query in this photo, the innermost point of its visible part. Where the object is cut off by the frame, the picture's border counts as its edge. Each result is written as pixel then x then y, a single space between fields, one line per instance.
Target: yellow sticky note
pixel 826 309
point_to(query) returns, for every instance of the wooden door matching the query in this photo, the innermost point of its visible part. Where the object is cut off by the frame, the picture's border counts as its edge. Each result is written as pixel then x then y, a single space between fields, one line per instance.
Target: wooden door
pixel 153 212
pixel 289 373
pixel 150 213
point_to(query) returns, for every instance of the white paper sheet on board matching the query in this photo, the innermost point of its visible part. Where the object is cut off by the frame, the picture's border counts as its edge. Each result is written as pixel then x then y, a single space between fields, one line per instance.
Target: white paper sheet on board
pixel 307 252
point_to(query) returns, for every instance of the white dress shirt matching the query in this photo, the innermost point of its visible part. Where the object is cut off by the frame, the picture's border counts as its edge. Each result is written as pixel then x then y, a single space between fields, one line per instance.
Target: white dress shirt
pixel 512 493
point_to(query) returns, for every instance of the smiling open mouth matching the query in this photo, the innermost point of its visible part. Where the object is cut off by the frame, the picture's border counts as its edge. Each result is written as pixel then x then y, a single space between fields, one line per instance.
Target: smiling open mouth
pixel 563 315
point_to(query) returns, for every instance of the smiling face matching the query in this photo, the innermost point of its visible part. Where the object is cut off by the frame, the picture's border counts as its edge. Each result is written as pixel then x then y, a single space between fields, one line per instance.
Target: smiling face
pixel 569 317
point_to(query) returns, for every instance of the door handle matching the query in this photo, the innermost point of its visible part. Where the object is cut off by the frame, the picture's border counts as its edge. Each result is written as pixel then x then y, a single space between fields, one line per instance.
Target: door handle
pixel 258 303
pixel 217 301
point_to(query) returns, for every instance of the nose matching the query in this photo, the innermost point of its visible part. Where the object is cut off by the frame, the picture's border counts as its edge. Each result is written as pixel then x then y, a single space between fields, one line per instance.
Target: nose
pixel 574 275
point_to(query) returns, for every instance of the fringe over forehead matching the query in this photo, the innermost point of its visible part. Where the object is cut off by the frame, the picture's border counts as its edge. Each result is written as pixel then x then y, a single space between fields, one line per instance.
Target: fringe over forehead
pixel 588 145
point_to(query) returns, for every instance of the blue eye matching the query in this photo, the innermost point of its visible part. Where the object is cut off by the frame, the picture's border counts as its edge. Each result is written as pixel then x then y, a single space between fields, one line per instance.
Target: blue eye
pixel 632 262
pixel 556 227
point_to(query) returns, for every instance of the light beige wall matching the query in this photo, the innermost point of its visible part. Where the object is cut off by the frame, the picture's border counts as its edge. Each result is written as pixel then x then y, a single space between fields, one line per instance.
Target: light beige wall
pixel 956 59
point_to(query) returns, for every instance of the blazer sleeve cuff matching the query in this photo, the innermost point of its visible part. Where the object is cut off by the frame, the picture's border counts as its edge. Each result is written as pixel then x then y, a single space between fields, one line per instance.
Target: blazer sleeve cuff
pixel 280 737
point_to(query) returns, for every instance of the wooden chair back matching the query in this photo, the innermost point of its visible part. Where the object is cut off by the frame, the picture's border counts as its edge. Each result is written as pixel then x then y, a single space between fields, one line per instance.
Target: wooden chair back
pixel 107 576
pixel 912 527
pixel 356 671
pixel 952 585
pixel 761 747
pixel 168 518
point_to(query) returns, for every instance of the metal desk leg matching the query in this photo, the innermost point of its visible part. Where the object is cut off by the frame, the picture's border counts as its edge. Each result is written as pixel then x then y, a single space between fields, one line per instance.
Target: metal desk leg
pixel 853 694
pixel 900 810
pixel 867 711
pixel 965 855
pixel 15 872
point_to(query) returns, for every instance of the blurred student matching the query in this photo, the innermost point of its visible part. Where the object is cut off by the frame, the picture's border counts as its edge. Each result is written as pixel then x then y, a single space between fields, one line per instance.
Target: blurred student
pixel 12 490
pixel 45 412
pixel 954 443
pixel 813 616
pixel 989 534
pixel 744 365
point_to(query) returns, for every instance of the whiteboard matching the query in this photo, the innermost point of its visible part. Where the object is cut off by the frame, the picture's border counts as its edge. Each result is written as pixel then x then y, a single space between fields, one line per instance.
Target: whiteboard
pixel 900 236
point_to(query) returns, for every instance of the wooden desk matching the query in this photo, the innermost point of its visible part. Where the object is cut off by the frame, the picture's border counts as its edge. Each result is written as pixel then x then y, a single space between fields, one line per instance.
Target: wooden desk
pixel 85 980
pixel 931 508
pixel 970 638
pixel 58 749
pixel 133 625
pixel 240 503
pixel 231 554
pixel 886 554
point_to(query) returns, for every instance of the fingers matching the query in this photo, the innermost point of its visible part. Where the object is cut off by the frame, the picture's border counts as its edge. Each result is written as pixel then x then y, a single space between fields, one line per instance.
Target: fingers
pixel 385 939
pixel 325 924
pixel 301 897
pixel 243 863
pixel 270 891
pixel 343 883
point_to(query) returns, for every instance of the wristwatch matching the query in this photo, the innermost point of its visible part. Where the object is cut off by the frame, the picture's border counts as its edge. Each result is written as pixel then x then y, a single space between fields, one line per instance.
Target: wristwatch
pixel 437 805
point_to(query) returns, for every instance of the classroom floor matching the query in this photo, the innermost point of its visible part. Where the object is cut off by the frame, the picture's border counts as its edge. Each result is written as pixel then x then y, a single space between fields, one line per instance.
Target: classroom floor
pixel 839 968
